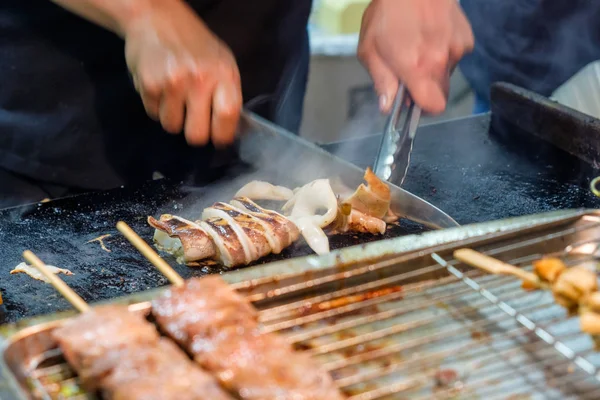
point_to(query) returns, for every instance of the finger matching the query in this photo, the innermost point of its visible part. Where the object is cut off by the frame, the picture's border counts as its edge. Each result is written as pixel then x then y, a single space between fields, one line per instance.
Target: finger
pixel 226 109
pixel 172 108
pixel 384 79
pixel 197 116
pixel 428 92
pixel 150 91
pixel 151 104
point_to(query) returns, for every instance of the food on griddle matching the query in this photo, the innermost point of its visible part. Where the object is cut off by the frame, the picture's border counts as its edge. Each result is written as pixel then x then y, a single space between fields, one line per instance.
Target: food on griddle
pixel 161 372
pixel 241 232
pixel 233 234
pixel 260 190
pixel 35 274
pixel 372 199
pixel 573 285
pixel 220 329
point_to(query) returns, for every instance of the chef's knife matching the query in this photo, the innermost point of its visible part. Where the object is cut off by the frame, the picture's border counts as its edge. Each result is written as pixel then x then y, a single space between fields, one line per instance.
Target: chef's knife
pixel 396 146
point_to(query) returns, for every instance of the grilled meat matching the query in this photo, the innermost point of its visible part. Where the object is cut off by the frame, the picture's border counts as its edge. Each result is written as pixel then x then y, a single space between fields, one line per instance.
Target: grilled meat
pixel 93 342
pixel 220 329
pixel 161 372
pixel 122 354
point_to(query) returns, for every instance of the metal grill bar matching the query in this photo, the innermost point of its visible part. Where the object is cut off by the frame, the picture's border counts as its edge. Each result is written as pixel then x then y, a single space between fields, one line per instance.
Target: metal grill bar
pixel 522 319
pixel 467 302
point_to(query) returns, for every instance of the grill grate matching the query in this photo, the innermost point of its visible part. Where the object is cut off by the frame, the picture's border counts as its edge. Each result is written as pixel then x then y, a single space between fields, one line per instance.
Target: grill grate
pixel 464 334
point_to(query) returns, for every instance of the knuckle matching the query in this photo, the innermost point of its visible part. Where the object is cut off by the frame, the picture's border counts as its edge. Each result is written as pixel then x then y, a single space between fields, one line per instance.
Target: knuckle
pixel 150 86
pixel 363 52
pixel 229 112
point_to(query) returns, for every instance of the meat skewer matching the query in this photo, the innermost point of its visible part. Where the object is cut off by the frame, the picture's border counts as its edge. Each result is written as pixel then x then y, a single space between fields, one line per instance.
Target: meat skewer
pixel 122 355
pixel 220 329
pixel 574 288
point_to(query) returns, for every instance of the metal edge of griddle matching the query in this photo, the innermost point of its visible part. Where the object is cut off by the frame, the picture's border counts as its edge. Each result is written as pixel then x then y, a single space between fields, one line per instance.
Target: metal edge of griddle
pixel 428 241
pixel 264 142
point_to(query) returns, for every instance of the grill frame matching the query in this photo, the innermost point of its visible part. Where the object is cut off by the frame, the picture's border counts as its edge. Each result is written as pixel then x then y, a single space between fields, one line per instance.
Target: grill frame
pixel 419 275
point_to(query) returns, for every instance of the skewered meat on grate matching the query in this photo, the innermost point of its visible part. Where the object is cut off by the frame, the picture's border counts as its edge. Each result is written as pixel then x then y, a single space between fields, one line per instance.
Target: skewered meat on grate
pixel 93 341
pixel 161 372
pixel 122 354
pixel 573 285
pixel 220 329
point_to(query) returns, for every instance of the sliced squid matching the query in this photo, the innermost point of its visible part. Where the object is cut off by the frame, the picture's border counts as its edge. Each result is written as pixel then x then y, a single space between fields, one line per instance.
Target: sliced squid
pixel 313 208
pixel 315 200
pixel 248 228
pixel 373 198
pixel 283 227
pixel 313 234
pixel 230 251
pixel 183 238
pixel 215 214
pixel 260 190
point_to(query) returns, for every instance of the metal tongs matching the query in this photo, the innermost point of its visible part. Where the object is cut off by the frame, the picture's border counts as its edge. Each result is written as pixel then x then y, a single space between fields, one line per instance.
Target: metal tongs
pixel 393 157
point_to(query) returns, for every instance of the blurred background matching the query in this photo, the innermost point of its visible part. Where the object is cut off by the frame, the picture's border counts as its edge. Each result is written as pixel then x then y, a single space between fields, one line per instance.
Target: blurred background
pixel 340 102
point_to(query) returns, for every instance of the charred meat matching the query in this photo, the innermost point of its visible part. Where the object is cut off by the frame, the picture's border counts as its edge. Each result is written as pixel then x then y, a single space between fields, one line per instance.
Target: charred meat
pixel 161 372
pixel 220 329
pixel 122 355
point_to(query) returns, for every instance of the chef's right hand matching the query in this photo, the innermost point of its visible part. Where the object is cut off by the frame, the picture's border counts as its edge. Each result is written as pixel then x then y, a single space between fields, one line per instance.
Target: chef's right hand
pixel 187 78
pixel 417 42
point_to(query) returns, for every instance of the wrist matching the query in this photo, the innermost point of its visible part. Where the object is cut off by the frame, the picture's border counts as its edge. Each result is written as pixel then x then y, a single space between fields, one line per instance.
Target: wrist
pixel 137 12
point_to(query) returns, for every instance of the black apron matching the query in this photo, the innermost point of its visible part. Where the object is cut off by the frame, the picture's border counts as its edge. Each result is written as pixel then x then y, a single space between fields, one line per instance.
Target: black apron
pixel 69 114
pixel 536 44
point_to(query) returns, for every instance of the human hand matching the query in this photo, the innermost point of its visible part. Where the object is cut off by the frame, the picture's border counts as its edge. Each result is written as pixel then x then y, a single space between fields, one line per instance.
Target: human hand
pixel 417 42
pixel 187 78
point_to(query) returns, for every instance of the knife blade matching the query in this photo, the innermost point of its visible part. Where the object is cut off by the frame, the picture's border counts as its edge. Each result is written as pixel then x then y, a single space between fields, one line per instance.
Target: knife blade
pixel 393 157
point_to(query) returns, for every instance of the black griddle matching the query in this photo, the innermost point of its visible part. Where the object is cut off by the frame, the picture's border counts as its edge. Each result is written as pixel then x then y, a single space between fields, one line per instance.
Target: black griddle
pixel 529 155
pixel 477 169
pixel 58 233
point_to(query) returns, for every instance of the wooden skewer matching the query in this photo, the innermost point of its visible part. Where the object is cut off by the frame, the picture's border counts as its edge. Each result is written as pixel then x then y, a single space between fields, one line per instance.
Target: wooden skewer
pixel 150 254
pixel 58 283
pixel 494 266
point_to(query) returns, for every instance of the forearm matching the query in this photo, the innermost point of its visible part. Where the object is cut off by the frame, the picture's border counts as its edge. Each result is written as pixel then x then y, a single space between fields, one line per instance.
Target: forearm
pixel 114 15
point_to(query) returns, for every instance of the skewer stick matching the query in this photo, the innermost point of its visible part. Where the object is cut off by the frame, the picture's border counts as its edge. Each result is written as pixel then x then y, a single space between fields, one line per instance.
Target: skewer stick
pixel 150 254
pixel 58 283
pixel 494 266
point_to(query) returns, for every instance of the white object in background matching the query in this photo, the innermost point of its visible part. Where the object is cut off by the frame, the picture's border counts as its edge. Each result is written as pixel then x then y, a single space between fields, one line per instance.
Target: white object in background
pixel 582 91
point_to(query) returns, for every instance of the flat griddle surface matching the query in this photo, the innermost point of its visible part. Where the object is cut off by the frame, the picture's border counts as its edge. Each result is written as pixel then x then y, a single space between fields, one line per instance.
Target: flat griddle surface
pixel 58 233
